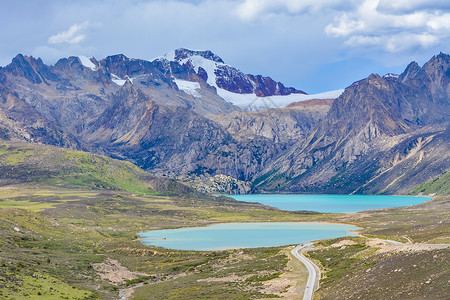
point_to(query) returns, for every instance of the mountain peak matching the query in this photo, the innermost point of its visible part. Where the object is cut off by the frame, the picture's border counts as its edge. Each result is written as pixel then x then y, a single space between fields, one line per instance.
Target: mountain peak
pixel 440 61
pixel 441 56
pixel 374 76
pixel 183 53
pixel 25 66
pixel 412 71
pixel 116 58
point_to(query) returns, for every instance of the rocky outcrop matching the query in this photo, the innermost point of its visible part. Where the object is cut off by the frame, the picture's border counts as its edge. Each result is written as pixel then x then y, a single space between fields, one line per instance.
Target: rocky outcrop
pixel 218 184
pixel 183 53
pixel 286 125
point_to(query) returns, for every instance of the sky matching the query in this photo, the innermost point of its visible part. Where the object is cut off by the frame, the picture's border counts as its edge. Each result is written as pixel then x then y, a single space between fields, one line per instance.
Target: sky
pixel 312 45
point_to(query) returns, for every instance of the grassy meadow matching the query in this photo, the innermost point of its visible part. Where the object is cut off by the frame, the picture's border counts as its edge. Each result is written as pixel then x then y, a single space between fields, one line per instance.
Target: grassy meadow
pixel 69 222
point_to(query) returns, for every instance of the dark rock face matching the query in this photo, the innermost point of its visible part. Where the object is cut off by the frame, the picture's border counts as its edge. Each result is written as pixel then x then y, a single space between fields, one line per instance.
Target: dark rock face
pixel 233 80
pixel 122 66
pixel 34 70
pixel 182 53
pixel 266 86
pixel 438 70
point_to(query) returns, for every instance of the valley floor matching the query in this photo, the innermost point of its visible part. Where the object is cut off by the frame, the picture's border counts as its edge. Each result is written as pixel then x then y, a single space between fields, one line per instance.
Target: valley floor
pixel 82 244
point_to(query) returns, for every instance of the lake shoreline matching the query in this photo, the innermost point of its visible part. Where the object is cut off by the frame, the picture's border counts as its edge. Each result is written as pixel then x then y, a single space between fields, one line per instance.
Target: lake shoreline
pixel 236 235
pixel 330 203
pixel 357 231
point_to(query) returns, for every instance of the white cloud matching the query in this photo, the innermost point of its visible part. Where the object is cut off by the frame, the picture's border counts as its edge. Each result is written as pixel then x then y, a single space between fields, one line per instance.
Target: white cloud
pixel 404 6
pixel 392 26
pixel 440 22
pixel 393 43
pixel 346 25
pixel 368 26
pixel 73 35
pixel 250 10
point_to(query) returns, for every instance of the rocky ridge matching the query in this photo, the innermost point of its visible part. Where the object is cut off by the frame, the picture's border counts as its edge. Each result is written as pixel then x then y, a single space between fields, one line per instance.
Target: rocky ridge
pixel 168 116
pixel 212 69
pixel 376 129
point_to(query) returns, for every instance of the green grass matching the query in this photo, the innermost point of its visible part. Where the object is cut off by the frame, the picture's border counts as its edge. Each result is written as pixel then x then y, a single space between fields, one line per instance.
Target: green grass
pixel 64 211
pixel 13 156
pixel 75 229
pixel 44 165
pixel 251 267
pixel 39 286
pixel 103 172
pixel 326 243
pixel 361 272
pixel 423 223
pixel 86 227
pixel 33 206
pixel 337 261
pixel 438 186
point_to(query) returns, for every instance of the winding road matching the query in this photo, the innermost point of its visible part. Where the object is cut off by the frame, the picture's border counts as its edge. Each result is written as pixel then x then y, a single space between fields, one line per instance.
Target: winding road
pixel 314 274
pixel 312 284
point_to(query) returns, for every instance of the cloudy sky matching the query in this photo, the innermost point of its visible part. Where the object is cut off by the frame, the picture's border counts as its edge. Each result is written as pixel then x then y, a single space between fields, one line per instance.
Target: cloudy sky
pixel 314 45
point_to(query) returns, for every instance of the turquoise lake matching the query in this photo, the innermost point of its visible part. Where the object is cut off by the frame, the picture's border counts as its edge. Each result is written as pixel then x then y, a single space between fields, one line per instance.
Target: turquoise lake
pixel 330 203
pixel 244 235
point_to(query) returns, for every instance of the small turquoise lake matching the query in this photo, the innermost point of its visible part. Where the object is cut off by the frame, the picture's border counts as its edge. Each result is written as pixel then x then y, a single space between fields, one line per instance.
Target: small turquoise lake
pixel 244 235
pixel 329 203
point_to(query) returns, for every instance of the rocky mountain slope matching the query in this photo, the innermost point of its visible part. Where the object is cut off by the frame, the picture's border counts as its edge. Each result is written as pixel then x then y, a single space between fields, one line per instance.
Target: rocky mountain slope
pixel 285 125
pixel 179 115
pixel 381 135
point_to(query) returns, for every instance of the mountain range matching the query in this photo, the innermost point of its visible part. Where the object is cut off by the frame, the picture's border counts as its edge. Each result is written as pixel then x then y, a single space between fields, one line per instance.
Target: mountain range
pixel 190 116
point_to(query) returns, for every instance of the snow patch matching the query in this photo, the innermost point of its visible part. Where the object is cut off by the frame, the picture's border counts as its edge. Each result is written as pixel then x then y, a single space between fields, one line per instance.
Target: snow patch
pixel 247 101
pixel 117 80
pixel 197 61
pixel 170 56
pixel 189 87
pixel 208 65
pixel 252 102
pixel 87 62
pixel 241 100
pixel 390 75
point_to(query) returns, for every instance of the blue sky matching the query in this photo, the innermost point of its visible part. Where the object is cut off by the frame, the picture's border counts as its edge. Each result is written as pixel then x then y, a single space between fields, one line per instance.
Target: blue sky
pixel 313 45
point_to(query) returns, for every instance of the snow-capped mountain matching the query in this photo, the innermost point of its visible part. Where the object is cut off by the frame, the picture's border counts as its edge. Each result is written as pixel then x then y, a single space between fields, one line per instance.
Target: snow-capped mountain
pixel 201 76
pixel 253 92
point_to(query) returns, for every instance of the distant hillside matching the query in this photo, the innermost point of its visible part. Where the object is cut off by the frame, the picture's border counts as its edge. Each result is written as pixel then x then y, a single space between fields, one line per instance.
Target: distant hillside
pixel 29 163
pixel 439 185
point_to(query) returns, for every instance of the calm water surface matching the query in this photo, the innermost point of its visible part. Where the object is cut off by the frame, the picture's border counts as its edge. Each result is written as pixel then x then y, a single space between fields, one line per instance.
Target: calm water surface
pixel 330 203
pixel 244 235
